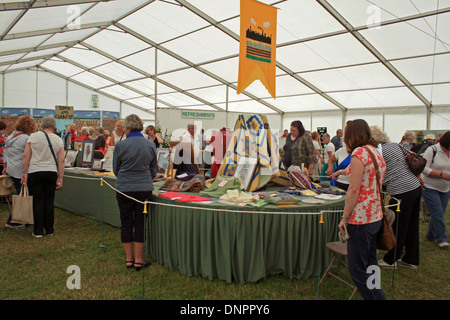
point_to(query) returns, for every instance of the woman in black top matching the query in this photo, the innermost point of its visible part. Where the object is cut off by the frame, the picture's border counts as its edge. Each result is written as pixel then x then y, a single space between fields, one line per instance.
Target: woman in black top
pixel 100 141
pixel 153 136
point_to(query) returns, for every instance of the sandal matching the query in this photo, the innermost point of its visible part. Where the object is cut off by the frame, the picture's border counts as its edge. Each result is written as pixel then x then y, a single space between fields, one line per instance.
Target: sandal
pixel 139 265
pixel 130 264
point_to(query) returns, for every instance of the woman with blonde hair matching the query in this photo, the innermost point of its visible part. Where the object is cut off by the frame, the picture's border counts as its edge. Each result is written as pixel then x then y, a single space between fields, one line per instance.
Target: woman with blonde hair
pixel 118 133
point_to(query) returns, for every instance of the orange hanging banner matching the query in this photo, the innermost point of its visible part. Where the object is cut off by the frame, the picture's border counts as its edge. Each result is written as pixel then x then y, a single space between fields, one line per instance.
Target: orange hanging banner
pixel 257 55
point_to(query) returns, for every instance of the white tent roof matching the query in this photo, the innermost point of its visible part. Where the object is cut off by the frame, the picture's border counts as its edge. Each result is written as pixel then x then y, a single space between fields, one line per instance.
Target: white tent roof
pixel 331 55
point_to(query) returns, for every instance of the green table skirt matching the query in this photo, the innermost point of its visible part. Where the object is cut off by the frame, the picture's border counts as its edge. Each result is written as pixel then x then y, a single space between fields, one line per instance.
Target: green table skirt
pixel 217 244
pixel 239 246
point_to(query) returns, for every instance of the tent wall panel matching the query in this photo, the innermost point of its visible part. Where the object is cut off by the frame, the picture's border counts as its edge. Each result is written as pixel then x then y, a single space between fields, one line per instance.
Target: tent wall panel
pixel 80 98
pixel 51 90
pixel 398 121
pixel 440 118
pixel 20 89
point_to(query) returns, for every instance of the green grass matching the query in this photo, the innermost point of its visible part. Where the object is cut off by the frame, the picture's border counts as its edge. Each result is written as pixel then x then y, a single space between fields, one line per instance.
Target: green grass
pixel 36 269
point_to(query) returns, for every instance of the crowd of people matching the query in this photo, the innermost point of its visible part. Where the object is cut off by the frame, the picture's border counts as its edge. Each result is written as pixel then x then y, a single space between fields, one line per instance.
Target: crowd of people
pixel 353 158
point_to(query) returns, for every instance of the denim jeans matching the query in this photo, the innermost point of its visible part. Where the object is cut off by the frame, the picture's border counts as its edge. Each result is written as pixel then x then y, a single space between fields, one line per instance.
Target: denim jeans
pixel 437 204
pixel 362 253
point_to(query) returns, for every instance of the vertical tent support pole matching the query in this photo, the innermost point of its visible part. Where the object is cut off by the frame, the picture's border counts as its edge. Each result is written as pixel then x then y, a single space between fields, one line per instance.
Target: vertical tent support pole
pixel 344 118
pixel 226 107
pixel 3 90
pixel 156 88
pixel 37 87
pixel 67 92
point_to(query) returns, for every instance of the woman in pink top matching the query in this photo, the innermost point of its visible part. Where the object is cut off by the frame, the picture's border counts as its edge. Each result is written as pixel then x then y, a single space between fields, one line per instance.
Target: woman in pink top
pixel 362 212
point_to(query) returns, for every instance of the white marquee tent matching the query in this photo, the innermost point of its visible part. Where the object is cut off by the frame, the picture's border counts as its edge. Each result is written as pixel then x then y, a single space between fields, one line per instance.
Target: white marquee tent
pixel 387 61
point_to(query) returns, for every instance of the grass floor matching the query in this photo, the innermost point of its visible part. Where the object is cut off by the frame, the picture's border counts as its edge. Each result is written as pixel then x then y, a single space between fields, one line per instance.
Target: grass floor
pixel 36 269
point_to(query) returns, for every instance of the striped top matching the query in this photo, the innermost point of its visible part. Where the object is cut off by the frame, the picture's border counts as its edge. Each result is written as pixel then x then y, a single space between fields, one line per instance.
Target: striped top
pixel 398 178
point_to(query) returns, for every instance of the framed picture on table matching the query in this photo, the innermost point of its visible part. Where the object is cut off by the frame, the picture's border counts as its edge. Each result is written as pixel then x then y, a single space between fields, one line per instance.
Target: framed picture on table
pixel 71 156
pixel 87 157
pixel 245 169
pixel 162 159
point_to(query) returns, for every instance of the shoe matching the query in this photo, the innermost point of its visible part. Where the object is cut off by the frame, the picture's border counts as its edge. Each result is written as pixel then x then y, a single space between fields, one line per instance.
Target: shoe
pixel 443 245
pixel 14 226
pixel 37 235
pixel 405 264
pixel 130 264
pixel 138 265
pixel 385 265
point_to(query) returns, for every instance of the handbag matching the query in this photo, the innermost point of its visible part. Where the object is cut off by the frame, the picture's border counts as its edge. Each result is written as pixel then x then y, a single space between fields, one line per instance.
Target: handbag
pixel 386 238
pixel 416 163
pixel 22 207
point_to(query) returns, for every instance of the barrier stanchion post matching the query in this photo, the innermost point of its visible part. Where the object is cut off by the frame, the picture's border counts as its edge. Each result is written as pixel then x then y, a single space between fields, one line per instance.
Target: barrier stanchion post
pixel 102 246
pixel 321 256
pixel 397 218
pixel 143 296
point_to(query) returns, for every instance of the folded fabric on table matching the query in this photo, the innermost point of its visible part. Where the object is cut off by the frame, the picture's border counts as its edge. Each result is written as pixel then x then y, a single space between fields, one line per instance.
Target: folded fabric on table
pixel 186 176
pixel 282 199
pixel 182 197
pixel 196 184
pixel 335 191
pixel 220 186
pixel 240 197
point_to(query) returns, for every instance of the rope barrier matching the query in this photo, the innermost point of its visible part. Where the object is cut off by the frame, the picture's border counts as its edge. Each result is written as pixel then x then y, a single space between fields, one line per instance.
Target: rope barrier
pixel 211 209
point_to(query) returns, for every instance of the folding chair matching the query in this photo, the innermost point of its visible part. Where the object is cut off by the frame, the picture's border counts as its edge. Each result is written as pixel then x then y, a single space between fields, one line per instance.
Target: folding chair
pixel 339 250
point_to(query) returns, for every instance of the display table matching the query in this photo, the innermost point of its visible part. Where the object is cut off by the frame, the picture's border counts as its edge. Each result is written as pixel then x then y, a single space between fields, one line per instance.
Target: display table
pixel 241 245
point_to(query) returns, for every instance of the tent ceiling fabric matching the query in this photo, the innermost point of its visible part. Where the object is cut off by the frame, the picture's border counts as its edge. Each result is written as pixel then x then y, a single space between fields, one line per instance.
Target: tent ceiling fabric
pixel 331 55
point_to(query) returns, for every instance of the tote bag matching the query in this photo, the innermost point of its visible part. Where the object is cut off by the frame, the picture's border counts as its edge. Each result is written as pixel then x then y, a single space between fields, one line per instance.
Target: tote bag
pixel 22 207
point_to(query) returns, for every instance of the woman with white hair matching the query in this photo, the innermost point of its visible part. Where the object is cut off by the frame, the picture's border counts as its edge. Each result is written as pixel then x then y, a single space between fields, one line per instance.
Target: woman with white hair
pixel 407 139
pixel 43 171
pixel 134 164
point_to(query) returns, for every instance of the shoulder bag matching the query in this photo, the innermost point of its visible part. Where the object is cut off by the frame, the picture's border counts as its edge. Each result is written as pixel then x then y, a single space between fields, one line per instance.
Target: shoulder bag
pixel 415 162
pixel 51 149
pixel 386 238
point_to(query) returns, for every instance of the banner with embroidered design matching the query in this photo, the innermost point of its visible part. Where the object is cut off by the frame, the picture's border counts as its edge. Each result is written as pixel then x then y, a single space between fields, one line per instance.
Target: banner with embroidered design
pixel 257 55
pixel 252 138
